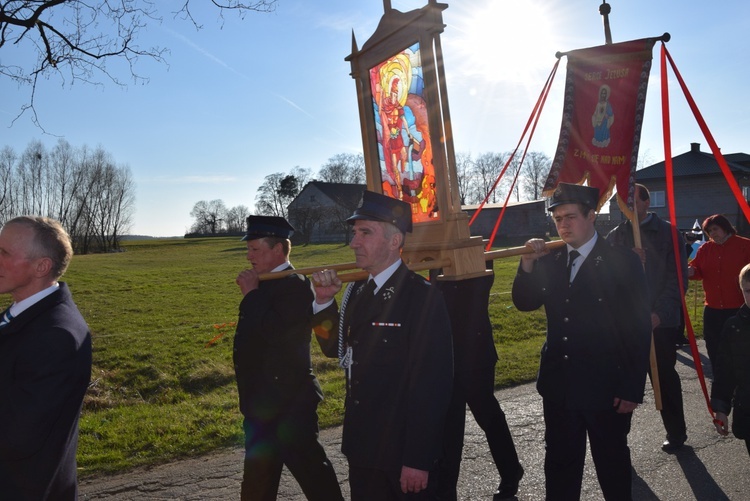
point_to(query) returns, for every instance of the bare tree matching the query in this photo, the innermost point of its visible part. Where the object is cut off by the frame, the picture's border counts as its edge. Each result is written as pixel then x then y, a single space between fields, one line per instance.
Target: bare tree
pixel 7 165
pixel 276 193
pixel 512 173
pixel 305 220
pixel 75 39
pixel 235 219
pixel 209 216
pixel 302 175
pixel 486 169
pixel 90 196
pixel 122 204
pixel 345 168
pixel 464 166
pixel 535 171
pixel 31 183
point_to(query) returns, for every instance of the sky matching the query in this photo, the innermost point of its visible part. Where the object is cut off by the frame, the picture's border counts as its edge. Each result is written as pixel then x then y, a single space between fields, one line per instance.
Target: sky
pixel 241 99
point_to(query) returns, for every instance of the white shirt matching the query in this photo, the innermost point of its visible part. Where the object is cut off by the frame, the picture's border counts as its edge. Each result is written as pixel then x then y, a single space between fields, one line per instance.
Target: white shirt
pixel 19 307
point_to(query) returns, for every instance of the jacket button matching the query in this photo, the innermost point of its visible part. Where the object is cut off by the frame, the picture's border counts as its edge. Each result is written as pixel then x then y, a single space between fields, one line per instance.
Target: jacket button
pixel 565 338
pixel 356 402
pixel 566 319
pixel 565 357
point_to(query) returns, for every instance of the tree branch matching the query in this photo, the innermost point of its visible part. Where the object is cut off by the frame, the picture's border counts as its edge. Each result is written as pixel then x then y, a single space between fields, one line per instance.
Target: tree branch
pixel 78 37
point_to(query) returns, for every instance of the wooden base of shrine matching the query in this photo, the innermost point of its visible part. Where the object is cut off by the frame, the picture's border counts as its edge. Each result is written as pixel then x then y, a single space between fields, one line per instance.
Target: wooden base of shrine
pixel 450 240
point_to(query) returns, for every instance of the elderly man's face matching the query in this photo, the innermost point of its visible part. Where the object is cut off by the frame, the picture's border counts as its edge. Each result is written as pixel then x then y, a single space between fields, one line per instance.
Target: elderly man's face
pixel 18 273
pixel 374 249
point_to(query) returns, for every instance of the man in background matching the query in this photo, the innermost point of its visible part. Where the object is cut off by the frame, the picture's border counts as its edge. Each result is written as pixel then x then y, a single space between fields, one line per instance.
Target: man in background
pixel 474 360
pixel 279 394
pixel 665 299
pixel 45 363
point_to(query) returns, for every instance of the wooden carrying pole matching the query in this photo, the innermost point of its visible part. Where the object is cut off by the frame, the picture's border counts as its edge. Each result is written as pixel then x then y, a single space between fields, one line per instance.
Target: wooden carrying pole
pixel 652 354
pixel 421 266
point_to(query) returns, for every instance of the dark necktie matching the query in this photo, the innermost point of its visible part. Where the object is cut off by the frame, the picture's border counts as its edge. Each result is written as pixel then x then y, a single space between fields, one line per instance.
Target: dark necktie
pixel 369 288
pixel 572 255
pixel 362 298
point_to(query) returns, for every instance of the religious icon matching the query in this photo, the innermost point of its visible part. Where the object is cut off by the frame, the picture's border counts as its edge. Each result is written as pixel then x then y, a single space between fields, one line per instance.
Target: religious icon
pixel 403 134
pixel 602 118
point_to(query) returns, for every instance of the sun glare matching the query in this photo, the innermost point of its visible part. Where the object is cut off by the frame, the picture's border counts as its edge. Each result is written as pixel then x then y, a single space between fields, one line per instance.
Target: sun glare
pixel 506 41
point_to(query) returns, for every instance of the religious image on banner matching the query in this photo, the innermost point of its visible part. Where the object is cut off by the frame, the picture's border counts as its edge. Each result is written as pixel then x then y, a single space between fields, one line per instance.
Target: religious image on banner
pixel 605 98
pixel 403 132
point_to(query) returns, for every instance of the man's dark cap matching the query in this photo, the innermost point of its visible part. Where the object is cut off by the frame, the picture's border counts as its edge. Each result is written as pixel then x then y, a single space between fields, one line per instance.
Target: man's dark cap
pixel 377 207
pixel 267 226
pixel 567 193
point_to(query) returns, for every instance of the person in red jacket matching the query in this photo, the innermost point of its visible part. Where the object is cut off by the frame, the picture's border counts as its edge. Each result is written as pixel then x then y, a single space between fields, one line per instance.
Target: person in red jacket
pixel 718 263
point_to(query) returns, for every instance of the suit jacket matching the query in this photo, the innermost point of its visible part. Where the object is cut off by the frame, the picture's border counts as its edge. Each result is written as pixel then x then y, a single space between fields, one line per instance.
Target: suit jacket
pixel 598 328
pixel 45 369
pixel 468 305
pixel 272 347
pixel 665 298
pixel 401 376
pixel 731 384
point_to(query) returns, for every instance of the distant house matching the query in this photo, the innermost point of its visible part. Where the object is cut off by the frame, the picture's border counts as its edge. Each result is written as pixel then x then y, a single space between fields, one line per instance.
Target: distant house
pixel 521 221
pixel 320 211
pixel 700 188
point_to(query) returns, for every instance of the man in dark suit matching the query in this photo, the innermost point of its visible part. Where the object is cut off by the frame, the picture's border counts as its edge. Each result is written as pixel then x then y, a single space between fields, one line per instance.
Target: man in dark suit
pixel 474 359
pixel 393 338
pixel 593 365
pixel 665 299
pixel 45 363
pixel 278 391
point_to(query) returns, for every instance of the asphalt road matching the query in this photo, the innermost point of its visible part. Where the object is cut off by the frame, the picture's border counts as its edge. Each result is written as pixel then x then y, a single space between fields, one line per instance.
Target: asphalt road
pixel 708 467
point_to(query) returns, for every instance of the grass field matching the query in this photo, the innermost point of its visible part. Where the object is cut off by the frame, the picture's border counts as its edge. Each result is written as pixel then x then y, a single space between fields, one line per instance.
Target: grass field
pixel 162 315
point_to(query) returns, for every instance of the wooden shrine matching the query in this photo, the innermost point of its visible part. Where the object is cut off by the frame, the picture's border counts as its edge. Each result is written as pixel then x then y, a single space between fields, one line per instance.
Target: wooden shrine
pixel 407 137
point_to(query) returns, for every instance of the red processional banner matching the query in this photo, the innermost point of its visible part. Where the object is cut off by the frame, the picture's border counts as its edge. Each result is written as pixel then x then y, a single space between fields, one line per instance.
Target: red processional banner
pixel 605 97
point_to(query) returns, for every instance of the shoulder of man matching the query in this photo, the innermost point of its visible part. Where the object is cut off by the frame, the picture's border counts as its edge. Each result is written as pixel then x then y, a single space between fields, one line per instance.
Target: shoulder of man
pixel 607 249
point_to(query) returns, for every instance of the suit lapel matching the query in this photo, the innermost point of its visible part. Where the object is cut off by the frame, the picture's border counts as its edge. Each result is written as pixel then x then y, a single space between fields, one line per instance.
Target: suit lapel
pixel 590 266
pixel 381 300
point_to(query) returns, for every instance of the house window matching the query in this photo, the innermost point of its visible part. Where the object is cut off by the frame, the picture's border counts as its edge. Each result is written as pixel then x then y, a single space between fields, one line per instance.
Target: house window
pixel 658 199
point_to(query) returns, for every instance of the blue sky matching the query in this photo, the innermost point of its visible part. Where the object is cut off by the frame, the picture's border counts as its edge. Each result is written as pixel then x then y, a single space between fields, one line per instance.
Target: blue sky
pixel 242 99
